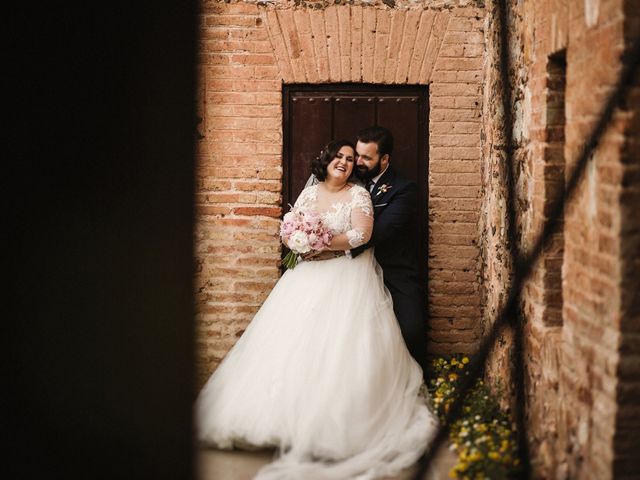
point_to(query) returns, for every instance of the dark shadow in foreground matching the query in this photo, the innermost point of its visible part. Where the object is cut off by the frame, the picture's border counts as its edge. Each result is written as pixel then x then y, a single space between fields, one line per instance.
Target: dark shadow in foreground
pixel 99 186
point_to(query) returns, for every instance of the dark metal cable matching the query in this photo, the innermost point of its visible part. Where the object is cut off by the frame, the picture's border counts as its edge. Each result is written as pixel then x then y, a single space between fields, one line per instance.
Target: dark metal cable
pixel 524 264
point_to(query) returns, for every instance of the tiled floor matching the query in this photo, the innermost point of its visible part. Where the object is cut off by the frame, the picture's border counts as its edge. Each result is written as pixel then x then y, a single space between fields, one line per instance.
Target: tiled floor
pixel 240 465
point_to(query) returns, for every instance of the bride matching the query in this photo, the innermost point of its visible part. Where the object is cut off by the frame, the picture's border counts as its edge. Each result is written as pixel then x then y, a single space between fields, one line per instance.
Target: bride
pixel 322 372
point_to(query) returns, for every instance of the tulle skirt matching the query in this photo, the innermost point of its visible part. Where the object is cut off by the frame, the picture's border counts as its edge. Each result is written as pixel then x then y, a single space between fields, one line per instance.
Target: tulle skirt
pixel 323 374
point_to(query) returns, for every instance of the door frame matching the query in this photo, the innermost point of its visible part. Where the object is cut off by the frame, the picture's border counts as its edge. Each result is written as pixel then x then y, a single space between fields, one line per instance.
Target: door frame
pixel 422 91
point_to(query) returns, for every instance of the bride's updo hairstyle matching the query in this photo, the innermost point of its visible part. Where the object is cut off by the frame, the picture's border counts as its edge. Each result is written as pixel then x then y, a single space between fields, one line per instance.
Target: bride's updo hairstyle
pixel 319 164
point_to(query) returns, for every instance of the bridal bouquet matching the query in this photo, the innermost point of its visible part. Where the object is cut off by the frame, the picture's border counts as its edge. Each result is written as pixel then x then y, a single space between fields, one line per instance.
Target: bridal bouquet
pixel 304 232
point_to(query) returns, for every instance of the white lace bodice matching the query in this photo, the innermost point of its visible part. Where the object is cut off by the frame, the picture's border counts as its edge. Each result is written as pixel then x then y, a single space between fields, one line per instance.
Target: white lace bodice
pixel 349 211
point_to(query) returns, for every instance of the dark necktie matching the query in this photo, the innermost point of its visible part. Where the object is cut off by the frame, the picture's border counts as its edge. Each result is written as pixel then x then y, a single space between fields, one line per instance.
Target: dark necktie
pixel 369 185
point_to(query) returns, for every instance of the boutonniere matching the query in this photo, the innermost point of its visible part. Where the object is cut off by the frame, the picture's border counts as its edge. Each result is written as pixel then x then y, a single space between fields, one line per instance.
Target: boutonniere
pixel 384 188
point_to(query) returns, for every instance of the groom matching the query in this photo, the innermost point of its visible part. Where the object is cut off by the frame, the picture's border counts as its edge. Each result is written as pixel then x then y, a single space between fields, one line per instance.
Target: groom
pixel 394 203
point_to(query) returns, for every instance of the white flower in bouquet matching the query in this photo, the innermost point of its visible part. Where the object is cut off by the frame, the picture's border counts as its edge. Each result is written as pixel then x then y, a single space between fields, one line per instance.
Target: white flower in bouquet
pixel 299 242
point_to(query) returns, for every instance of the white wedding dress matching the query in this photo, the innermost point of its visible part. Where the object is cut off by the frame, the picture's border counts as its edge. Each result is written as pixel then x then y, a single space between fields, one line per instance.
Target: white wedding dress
pixel 322 371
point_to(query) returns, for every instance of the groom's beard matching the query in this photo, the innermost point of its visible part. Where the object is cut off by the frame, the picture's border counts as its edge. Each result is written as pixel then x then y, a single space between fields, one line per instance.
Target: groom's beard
pixel 365 174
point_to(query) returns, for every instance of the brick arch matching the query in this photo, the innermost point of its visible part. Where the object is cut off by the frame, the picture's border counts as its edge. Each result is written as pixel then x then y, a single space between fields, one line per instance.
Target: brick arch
pixel 371 45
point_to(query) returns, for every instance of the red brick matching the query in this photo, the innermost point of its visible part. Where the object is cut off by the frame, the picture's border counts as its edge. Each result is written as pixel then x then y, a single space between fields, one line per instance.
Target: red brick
pixel 452 287
pixel 458 64
pixel 230 20
pixel 468 229
pixel 227 198
pixel 265 72
pixel 252 59
pixel 213 210
pixel 448 113
pixel 457 89
pixel 255 185
pixel 456 317
pixel 231 72
pixel 230 85
pixel 460 179
pixel 438 30
pixel 454 191
pixel 420 45
pixel 453 216
pixel 253 261
pixel 458 38
pixel 454 166
pixel 264 211
pixel 453 336
pixel 468 239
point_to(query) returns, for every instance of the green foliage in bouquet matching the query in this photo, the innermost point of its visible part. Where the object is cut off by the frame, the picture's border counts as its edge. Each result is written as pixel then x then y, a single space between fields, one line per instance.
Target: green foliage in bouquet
pixel 483 437
pixel 290 260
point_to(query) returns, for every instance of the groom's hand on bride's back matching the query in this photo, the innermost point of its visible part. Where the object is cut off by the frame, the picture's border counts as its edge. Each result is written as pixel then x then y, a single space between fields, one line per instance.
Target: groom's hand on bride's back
pixel 315 255
pixel 310 255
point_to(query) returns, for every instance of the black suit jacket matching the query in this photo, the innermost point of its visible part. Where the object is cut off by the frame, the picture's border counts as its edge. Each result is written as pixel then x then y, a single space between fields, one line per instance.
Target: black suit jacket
pixel 395 202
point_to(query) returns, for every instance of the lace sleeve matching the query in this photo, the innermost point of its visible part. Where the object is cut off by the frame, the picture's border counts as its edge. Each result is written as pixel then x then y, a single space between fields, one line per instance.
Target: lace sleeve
pixel 361 218
pixel 306 198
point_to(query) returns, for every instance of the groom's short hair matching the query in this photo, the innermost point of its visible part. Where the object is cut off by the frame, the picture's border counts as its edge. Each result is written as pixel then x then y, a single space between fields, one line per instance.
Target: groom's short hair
pixel 380 135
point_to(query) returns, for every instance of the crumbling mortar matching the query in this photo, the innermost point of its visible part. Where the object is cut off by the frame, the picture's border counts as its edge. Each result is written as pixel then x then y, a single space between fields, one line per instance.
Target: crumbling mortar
pixel 387 4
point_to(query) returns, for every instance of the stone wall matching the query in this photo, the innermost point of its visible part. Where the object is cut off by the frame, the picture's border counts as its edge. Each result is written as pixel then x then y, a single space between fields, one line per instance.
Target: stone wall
pixel 248 50
pixel 573 308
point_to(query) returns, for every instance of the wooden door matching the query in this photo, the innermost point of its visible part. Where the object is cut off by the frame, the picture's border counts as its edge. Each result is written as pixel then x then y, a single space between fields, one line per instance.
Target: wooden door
pixel 317 114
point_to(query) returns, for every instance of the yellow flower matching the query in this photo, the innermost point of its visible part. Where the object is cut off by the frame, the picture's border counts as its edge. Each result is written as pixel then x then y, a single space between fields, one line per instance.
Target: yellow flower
pixel 474 457
pixel 465 360
pixel 494 456
pixel 452 377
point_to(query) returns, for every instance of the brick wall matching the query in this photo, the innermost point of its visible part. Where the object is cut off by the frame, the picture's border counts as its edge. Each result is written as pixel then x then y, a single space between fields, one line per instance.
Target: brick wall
pixel 625 463
pixel 238 175
pixel 580 309
pixel 247 51
pixel 572 347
